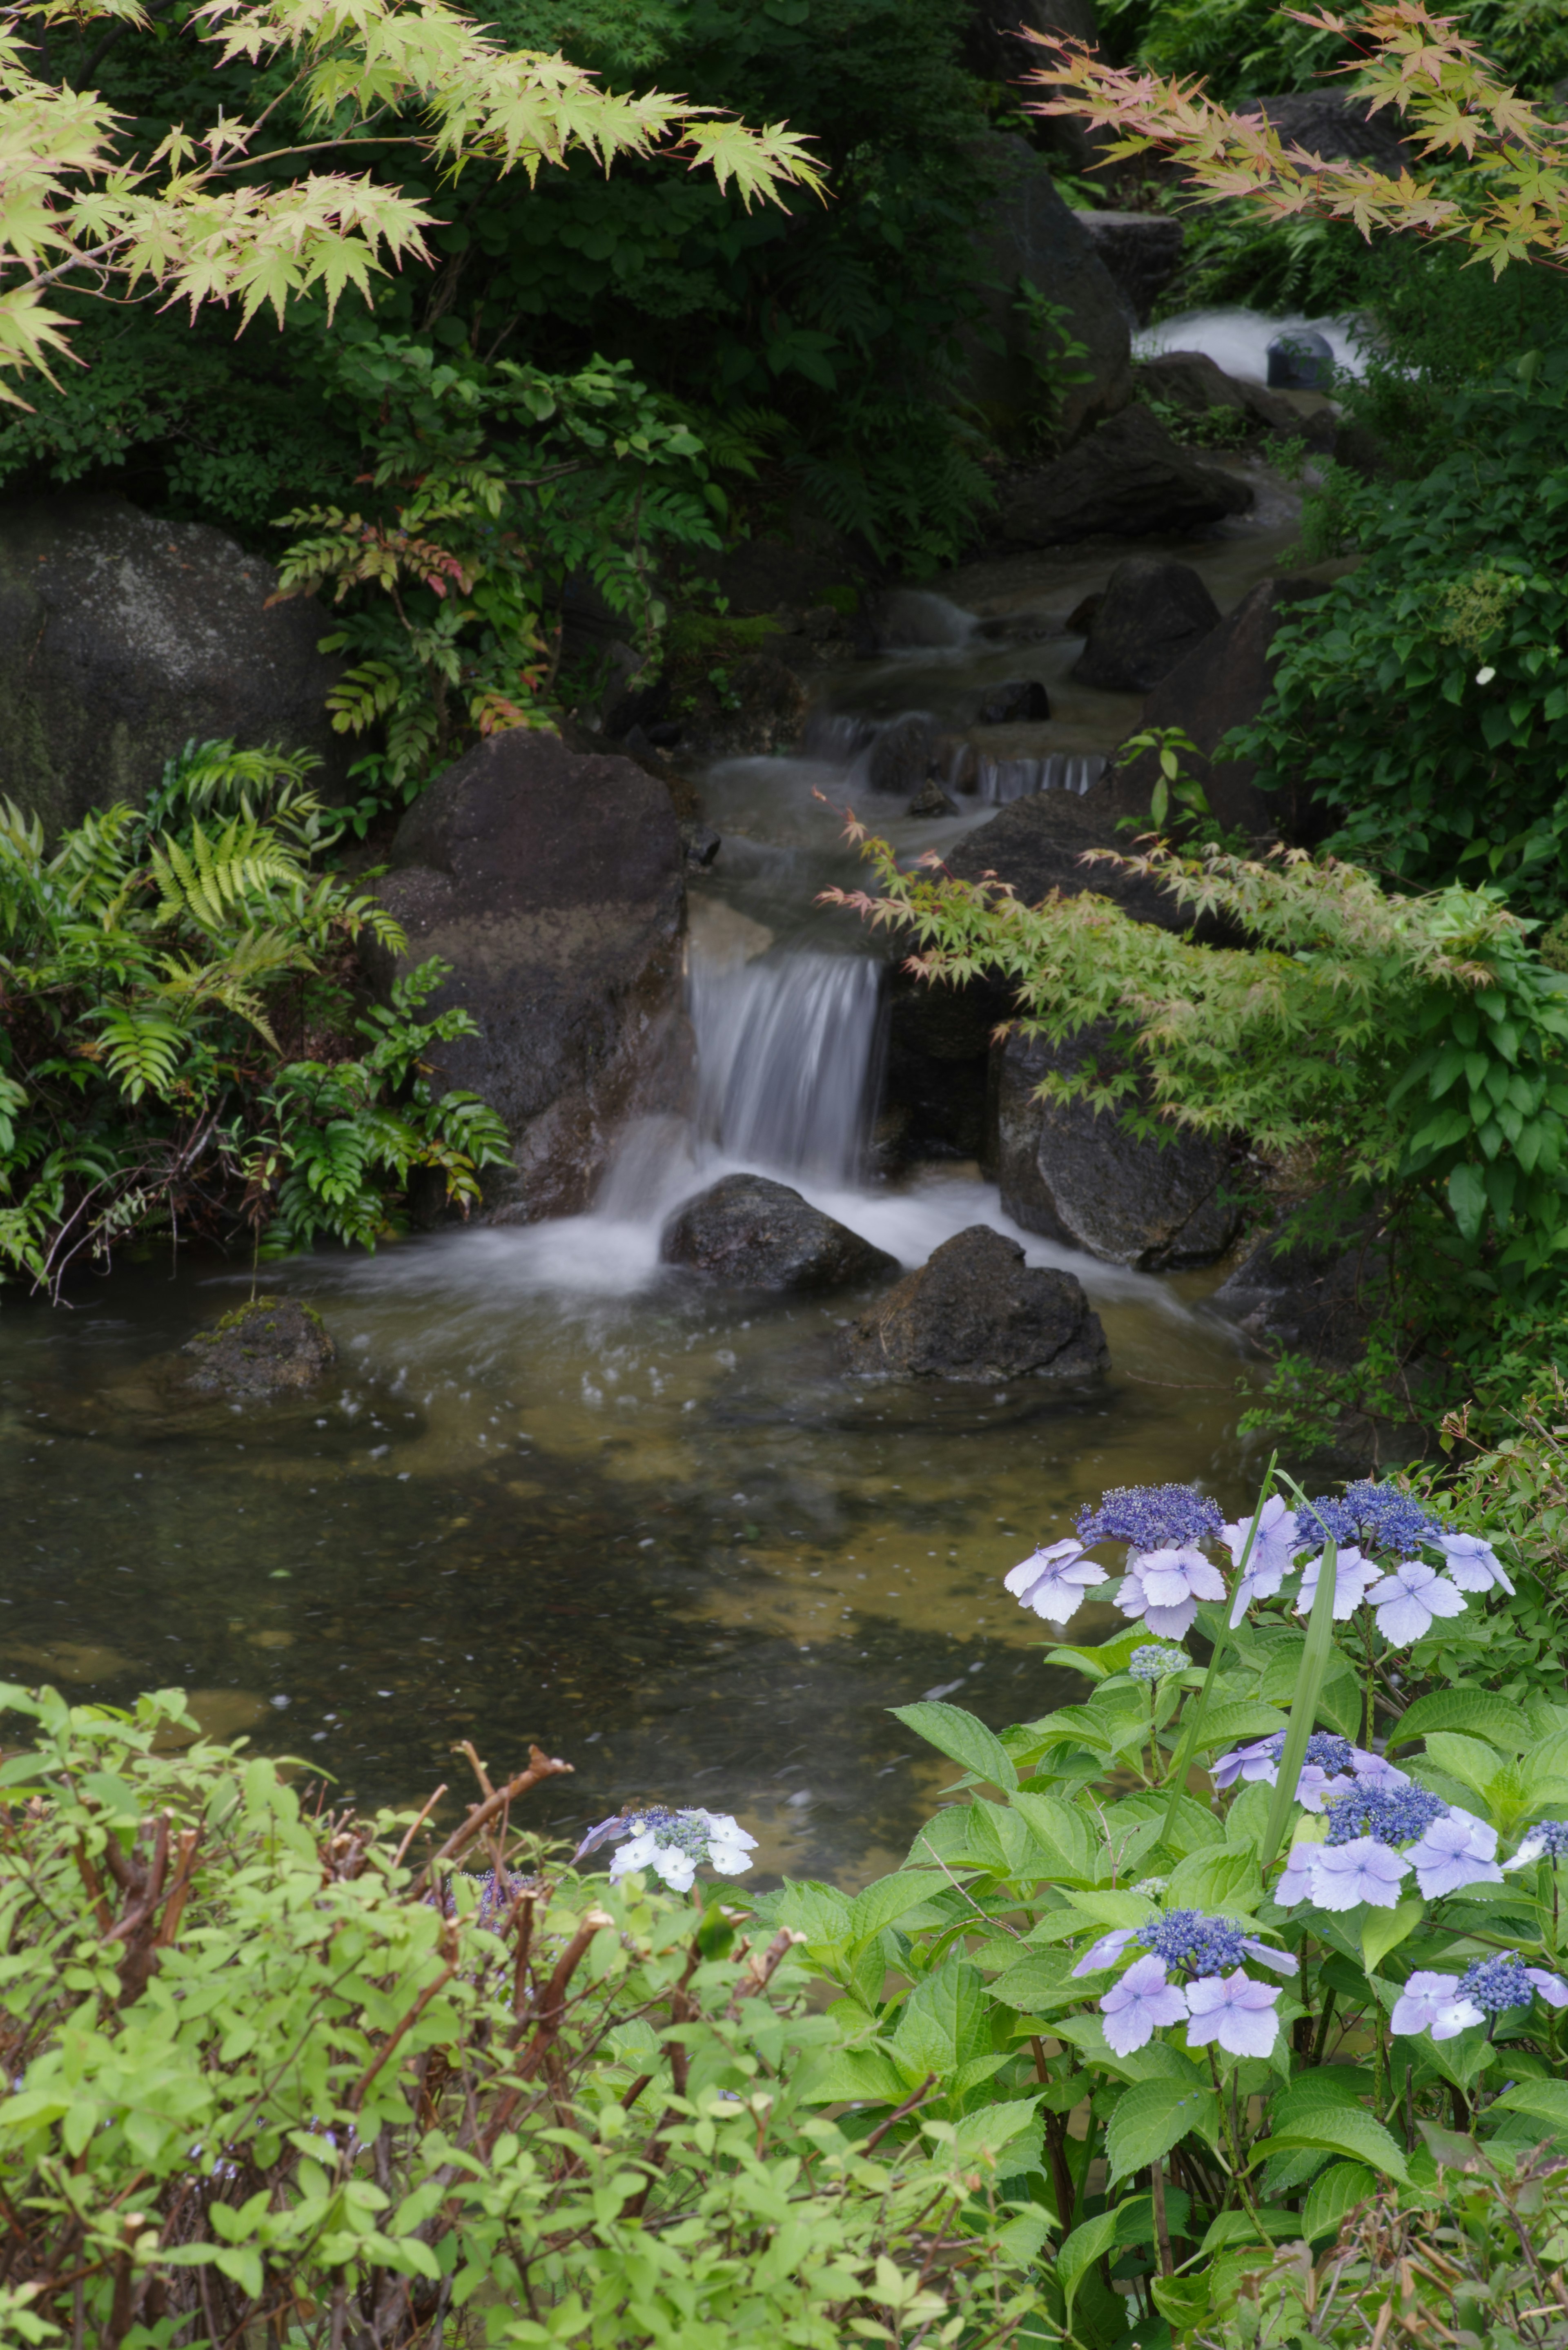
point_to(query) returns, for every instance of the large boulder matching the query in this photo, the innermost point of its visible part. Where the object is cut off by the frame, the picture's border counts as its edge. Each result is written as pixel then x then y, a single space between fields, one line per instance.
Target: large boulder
pixel 551 883
pixel 1034 239
pixel 1078 1175
pixel 976 1311
pixel 1043 841
pixel 757 1234
pixel 123 639
pixel 1192 380
pixel 1315 1298
pixel 1142 252
pixel 996 48
pixel 1128 479
pixel 1223 682
pixel 1153 613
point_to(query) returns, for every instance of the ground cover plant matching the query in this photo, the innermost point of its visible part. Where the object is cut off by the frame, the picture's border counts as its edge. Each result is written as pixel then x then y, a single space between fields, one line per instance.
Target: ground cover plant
pixel 184 1045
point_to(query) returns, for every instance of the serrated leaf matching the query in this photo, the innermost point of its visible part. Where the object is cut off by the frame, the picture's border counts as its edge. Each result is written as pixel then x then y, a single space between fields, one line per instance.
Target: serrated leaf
pixel 886 1900
pixel 962 1738
pixel 1152 2117
pixel 1082 2249
pixel 1383 1930
pixel 1338 2191
pixel 1468 1760
pixel 1058 1826
pixel 1218 1880
pixel 1476 1711
pixel 1345 2130
pixel 1542 2101
pixel 1228 1725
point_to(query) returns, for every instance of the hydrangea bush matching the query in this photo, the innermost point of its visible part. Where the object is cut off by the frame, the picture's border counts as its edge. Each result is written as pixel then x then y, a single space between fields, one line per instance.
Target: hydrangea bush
pixel 1240 1943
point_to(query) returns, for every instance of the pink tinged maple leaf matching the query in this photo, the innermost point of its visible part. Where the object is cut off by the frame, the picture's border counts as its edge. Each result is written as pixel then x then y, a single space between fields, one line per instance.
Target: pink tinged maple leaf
pixel 1236 2010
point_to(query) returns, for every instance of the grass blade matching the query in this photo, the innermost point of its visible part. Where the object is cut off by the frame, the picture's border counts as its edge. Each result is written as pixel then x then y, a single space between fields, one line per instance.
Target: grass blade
pixel 1194 1722
pixel 1304 1708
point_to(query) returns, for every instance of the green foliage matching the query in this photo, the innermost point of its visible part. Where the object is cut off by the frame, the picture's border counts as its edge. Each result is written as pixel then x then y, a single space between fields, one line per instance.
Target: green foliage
pixel 1422 695
pixel 178 1046
pixel 267 2074
pixel 1244 51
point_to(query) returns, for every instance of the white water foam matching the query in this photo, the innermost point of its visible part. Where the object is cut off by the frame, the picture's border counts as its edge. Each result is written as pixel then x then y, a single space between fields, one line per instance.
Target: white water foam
pixel 1238 340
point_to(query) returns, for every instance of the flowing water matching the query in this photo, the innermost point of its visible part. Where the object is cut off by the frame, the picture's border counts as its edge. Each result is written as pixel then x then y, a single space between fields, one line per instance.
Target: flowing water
pixel 555 1491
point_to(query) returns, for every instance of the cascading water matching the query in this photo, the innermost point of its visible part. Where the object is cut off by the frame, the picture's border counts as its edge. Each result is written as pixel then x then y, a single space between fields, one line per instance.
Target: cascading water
pixel 785 1049
pixel 997 781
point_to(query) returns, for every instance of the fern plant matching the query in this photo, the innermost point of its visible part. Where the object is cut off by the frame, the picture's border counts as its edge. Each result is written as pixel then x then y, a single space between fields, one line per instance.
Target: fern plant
pixel 178 1051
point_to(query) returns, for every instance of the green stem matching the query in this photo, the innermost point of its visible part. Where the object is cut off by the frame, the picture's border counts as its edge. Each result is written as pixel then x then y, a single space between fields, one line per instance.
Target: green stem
pixel 1194 1722
pixel 1304 1708
pixel 1229 2124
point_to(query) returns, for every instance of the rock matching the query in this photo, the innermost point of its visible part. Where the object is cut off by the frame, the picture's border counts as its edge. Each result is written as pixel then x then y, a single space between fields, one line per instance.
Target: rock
pixel 1301 359
pixel 1128 479
pixel 1081 618
pixel 1023 701
pixel 935 1065
pixel 899 759
pixel 1038 844
pixel 262 1349
pixel 1301 1298
pixel 755 1235
pixel 1142 251
pixel 932 800
pixel 976 1311
pixel 1152 614
pixel 1034 238
pixel 911 618
pixel 552 882
pixel 123 639
pixel 1077 1175
pixel 762 708
pixel 1223 682
pixel 1190 380
pixel 1335 129
pixel 700 844
pixel 995 50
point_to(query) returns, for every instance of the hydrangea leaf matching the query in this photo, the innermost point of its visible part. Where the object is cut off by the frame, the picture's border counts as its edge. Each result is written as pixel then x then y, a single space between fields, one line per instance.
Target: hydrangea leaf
pixel 1330 2197
pixel 1346 2130
pixel 1152 2118
pixel 1474 1712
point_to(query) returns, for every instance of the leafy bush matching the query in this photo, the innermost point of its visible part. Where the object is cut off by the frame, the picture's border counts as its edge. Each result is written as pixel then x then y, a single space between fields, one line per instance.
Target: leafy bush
pixel 178 1046
pixel 1421 696
pixel 268 2076
pixel 1263 2004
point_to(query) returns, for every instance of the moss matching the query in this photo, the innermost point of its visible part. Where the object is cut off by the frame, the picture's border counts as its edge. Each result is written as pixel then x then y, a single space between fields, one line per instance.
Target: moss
pixel 699 637
pixel 239 1315
pixel 845 601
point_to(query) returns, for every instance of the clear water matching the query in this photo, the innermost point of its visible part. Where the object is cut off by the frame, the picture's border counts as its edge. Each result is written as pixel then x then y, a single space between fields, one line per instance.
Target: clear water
pixel 555 1491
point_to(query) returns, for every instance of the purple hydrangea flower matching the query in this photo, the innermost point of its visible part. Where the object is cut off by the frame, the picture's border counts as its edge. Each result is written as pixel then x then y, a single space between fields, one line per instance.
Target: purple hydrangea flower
pixel 1434 2003
pixel 1163 1588
pixel 1376 1770
pixel 1391 1815
pixel 1473 1565
pixel 1325 1768
pixel 1139 2004
pixel 1236 2010
pixel 1352 1575
pixel 1151 1518
pixel 1326 1520
pixel 1407 1602
pixel 1258 1761
pixel 1281 1961
pixel 1296 1883
pixel 1156 1663
pixel 1274 1545
pixel 1053 1582
pixel 1494 1985
pixel 1457 1850
pixel 1387 1518
pixel 1187 1942
pixel 1344 1875
pixel 1106 1950
pixel 1548 1839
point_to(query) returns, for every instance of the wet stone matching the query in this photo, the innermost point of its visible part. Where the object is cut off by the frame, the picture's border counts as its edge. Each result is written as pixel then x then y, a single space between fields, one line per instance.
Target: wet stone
pixel 266 1347
pixel 976 1311
pixel 752 1234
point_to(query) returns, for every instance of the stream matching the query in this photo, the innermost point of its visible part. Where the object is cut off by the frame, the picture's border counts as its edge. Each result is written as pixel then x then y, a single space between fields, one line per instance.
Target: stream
pixel 555 1491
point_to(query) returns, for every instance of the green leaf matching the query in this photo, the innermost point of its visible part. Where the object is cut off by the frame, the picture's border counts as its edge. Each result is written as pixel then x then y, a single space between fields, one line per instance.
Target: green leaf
pixel 1303 1713
pixel 886 1900
pixel 1345 2130
pixel 1477 1711
pixel 1152 2117
pixel 960 1737
pixel 1216 1880
pixel 1060 1828
pixel 1113 1656
pixel 1240 2228
pixel 1542 2101
pixel 1383 1930
pixel 1336 2191
pixel 1082 2249
pixel 1228 1725
pixel 1466 1759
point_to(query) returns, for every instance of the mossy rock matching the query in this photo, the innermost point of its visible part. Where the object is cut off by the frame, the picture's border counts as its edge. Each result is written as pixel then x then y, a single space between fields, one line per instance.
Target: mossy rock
pixel 267 1346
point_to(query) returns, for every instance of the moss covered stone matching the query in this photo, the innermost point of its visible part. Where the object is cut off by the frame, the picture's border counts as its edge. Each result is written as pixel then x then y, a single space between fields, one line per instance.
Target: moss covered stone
pixel 262 1347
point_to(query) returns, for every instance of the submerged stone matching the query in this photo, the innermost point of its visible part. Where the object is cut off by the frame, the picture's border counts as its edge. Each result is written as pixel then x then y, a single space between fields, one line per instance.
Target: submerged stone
pixel 262 1348
pixel 976 1311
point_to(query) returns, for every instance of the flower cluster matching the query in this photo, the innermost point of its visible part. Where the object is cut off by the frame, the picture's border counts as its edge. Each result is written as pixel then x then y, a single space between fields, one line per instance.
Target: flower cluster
pixel 672 1844
pixel 1054 1581
pixel 1181 1980
pixel 1151 1518
pixel 1375 1837
pixel 1156 1662
pixel 1548 1840
pixel 1446 2005
pixel 1331 1766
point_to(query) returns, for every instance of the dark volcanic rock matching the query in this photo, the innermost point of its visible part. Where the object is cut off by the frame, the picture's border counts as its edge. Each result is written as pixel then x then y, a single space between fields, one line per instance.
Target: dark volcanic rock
pixel 1336 129
pixel 1141 250
pixel 1319 1300
pixel 901 753
pixel 1128 479
pixel 1151 616
pixel 1191 380
pixel 123 639
pixel 976 1311
pixel 1078 1175
pixel 552 883
pixel 755 1235
pixel 1223 682
pixel 1022 702
pixel 266 1347
pixel 1039 844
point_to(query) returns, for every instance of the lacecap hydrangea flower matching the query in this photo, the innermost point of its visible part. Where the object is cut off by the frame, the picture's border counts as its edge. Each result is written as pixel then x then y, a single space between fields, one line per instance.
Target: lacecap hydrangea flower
pixel 1183 1977
pixel 1547 1840
pixel 672 1844
pixel 1375 1836
pixel 1275 1543
pixel 1156 1663
pixel 1446 2005
pixel 1053 1582
pixel 1151 1518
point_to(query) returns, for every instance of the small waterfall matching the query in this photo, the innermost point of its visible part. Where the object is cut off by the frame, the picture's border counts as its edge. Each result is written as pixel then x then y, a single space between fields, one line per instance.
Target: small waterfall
pixel 996 780
pixel 785 1048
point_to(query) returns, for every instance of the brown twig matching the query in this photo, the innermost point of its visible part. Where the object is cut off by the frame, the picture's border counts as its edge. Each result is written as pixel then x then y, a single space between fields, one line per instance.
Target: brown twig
pixel 356 2093
pixel 898 2113
pixel 417 1824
